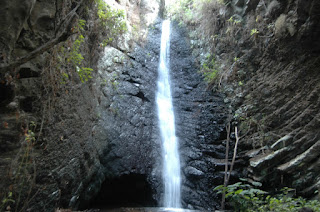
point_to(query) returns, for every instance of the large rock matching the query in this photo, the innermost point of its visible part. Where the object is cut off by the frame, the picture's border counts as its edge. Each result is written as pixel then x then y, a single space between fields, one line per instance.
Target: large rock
pixel 13 17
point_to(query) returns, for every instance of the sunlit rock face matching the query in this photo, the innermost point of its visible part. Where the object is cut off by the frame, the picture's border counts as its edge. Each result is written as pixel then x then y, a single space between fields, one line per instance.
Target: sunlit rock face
pixel 128 118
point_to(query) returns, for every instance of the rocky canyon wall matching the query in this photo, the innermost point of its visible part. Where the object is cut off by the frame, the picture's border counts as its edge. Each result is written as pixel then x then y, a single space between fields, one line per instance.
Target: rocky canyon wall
pixel 58 133
pixel 72 144
pixel 267 54
pixel 95 144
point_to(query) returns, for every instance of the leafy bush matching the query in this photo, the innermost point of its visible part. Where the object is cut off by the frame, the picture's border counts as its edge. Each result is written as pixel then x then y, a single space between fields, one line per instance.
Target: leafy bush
pixel 192 12
pixel 181 11
pixel 254 32
pixel 112 20
pixel 209 12
pixel 210 69
pixel 245 198
pixel 74 57
pixel 112 24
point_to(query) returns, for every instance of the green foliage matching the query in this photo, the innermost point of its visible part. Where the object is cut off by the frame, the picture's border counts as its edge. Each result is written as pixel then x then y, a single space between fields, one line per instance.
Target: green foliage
pixel 84 73
pixel 230 19
pixel 242 196
pixel 65 78
pixel 181 11
pixel 104 83
pixel 112 20
pixel 233 21
pixel 80 25
pixel 245 198
pixel 210 69
pixel 74 57
pixel 189 11
pixel 114 82
pixel 221 1
pixel 254 32
pixel 6 201
pixel 112 23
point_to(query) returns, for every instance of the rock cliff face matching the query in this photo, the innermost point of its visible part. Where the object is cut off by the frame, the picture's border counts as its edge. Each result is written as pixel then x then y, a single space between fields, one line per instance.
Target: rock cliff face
pixel 281 95
pixel 129 124
pixel 269 61
pixel 73 125
pixel 200 120
pixel 97 144
pixel 127 84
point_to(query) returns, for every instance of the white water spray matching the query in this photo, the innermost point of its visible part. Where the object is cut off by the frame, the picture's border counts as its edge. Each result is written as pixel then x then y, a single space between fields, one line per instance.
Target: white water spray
pixel 171 161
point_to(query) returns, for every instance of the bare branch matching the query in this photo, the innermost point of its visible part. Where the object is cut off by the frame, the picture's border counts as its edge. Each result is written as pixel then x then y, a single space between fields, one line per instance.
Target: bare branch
pixel 223 200
pixel 234 153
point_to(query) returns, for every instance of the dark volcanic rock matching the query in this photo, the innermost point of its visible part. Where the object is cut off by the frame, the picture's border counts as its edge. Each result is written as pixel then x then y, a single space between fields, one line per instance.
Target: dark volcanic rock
pixel 128 122
pixel 200 117
pixel 100 138
pixel 13 15
pixel 87 135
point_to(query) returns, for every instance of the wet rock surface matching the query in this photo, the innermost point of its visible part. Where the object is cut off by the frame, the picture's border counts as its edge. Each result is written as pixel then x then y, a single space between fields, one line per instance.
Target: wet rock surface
pixel 129 122
pixel 200 117
pixel 128 114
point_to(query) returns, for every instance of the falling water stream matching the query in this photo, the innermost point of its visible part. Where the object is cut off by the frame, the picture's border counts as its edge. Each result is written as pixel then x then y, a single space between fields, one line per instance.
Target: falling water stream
pixel 171 161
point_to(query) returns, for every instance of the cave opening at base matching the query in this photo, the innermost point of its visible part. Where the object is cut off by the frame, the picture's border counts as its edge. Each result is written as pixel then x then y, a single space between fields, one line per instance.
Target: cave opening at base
pixel 130 190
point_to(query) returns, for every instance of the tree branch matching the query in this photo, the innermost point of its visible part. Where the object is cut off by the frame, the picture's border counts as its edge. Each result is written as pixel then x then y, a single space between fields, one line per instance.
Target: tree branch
pixel 234 154
pixel 223 199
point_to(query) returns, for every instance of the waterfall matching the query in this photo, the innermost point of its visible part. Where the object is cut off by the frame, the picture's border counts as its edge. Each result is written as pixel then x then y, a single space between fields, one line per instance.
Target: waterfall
pixel 171 161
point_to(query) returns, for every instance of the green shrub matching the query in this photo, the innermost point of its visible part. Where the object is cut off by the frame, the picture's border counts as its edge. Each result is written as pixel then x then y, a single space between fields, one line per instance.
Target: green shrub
pixel 112 24
pixel 210 69
pixel 112 20
pixel 245 197
pixel 192 12
pixel 74 56
pixel 254 32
